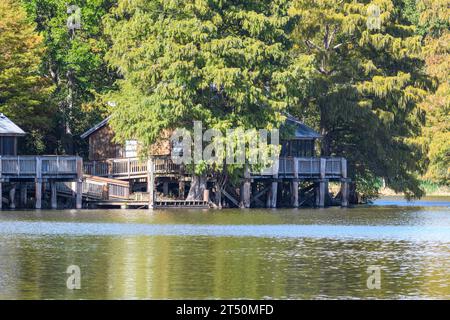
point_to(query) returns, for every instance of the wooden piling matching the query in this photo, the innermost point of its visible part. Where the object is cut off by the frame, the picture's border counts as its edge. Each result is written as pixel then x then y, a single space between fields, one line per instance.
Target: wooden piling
pixel 54 199
pixel 23 195
pixel 79 188
pixel 294 186
pixel 150 183
pixel 12 196
pixel 246 188
pixel 38 183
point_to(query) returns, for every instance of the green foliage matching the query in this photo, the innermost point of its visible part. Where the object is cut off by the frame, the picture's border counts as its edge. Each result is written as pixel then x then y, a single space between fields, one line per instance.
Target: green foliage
pixel 225 63
pixel 74 63
pixel 24 91
pixel 367 85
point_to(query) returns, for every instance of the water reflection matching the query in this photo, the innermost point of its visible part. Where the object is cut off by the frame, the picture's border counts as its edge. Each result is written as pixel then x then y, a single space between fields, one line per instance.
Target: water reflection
pixel 118 266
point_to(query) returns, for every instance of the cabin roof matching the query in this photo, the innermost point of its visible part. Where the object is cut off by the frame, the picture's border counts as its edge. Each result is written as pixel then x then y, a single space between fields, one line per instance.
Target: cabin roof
pixel 95 128
pixel 302 131
pixel 9 128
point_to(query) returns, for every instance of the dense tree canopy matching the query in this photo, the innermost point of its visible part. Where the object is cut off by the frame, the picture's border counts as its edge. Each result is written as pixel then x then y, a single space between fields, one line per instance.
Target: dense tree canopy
pixel 223 62
pixel 434 23
pixel 74 63
pixel 366 87
pixel 23 90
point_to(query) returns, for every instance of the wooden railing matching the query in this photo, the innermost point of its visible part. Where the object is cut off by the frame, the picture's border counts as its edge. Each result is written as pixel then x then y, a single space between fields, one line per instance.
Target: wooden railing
pixel 39 166
pixel 104 188
pixel 129 167
pixel 308 166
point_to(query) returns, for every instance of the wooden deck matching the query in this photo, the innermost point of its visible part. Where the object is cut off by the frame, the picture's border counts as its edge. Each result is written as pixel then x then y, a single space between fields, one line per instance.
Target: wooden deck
pixel 305 167
pixel 40 167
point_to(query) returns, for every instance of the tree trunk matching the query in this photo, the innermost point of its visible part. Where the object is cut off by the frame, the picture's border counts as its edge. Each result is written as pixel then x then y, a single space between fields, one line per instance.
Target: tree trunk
pixel 198 186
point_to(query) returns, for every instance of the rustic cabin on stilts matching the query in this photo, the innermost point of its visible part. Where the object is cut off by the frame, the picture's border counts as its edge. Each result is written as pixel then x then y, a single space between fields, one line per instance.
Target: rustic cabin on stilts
pixel 35 176
pixel 115 176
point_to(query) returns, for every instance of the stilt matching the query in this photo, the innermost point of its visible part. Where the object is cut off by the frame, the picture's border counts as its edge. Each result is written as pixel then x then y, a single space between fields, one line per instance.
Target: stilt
pixel 12 196
pixel 322 185
pixel 294 186
pixel 150 184
pixel 344 183
pixel 23 195
pixel 166 188
pixel 79 195
pixel 79 187
pixel 38 194
pixel 54 199
pixel 274 194
pixel 181 189
pixel 1 195
pixel 269 198
pixel 274 187
pixel 344 192
pixel 246 189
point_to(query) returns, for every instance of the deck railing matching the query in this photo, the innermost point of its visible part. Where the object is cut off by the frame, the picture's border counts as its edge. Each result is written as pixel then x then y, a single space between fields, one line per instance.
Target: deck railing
pixel 129 167
pixel 105 189
pixel 36 166
pixel 307 166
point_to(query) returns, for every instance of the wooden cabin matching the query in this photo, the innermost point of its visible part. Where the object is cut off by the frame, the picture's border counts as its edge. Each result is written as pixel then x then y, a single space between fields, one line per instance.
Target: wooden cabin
pixel 301 141
pixel 102 145
pixel 9 134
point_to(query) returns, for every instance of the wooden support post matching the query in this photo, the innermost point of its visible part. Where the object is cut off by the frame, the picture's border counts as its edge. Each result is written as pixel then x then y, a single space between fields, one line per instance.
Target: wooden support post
pixel 246 189
pixel 344 183
pixel 166 188
pixel 150 184
pixel 79 188
pixel 269 197
pixel 274 191
pixel 38 194
pixel 12 196
pixel 54 199
pixel 344 192
pixel 181 189
pixel 294 187
pixel 23 195
pixel 322 192
pixel 38 183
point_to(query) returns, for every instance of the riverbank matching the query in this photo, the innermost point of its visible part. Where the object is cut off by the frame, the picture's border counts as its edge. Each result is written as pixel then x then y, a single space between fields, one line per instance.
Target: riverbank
pixel 430 190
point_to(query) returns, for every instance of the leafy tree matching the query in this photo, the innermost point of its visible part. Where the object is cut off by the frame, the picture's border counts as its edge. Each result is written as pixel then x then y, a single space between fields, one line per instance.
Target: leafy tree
pixel 434 23
pixel 223 62
pixel 367 85
pixel 23 91
pixel 74 63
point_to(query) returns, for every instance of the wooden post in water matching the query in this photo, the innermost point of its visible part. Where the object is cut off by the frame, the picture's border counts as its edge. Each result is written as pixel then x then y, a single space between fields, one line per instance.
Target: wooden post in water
pixel 166 188
pixel 181 189
pixel 246 188
pixel 79 187
pixel 12 196
pixel 150 183
pixel 295 185
pixel 54 199
pixel 322 182
pixel 23 194
pixel 344 183
pixel 38 183
pixel 274 191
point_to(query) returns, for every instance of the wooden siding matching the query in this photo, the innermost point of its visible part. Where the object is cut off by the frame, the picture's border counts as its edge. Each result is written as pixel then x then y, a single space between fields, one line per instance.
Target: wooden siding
pixel 102 147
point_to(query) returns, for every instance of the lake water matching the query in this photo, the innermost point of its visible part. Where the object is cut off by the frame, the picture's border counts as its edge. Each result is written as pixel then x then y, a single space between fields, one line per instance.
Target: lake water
pixel 285 253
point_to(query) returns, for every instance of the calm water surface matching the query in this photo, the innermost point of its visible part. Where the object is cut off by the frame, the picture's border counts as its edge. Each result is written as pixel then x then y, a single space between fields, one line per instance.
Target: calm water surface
pixel 283 253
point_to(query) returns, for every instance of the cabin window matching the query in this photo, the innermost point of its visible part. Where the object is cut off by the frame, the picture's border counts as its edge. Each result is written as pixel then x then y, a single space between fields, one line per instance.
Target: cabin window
pixel 299 148
pixel 8 146
pixel 131 148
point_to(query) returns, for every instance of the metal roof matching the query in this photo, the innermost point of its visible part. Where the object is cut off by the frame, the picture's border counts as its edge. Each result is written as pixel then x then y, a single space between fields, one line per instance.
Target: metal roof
pixel 302 131
pixel 9 128
pixel 95 128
